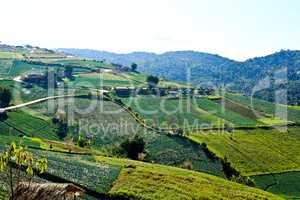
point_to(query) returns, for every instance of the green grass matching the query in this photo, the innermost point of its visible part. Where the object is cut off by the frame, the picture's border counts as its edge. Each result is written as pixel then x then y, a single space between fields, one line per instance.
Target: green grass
pixel 255 152
pixel 267 107
pixel 284 184
pixel 148 181
pixel 226 114
pixel 169 113
pixel 274 121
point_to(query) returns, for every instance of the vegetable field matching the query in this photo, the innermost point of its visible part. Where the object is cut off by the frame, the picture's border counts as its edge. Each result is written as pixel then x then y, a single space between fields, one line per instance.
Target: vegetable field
pixel 226 114
pixel 172 113
pixel 284 184
pixel 258 151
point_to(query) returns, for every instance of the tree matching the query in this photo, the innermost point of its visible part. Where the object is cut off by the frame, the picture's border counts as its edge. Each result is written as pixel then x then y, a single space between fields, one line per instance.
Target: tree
pixel 133 147
pixel 5 97
pixel 152 81
pixel 134 67
pixel 15 160
pixel 69 72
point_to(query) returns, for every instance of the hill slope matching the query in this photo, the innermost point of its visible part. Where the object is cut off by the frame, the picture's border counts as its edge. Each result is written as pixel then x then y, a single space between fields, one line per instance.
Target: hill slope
pixel 209 69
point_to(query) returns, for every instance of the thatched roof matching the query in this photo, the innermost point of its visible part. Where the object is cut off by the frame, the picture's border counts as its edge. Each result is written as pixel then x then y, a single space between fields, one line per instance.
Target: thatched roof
pixel 46 191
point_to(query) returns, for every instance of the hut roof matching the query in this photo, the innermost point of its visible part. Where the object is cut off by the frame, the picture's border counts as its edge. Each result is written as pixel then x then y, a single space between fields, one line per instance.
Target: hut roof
pixel 46 191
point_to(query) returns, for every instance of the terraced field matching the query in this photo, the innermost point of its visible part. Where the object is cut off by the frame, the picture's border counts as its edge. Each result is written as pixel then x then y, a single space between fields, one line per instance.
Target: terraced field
pixel 10 55
pixel 20 67
pixel 267 107
pixel 95 176
pixel 26 124
pixel 226 114
pixel 109 125
pixel 97 80
pixel 284 184
pixel 172 113
pixel 258 151
pixel 240 109
pixel 148 181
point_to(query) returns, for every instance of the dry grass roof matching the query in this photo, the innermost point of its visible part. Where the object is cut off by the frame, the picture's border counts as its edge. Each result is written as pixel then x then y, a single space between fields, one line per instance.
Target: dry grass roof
pixel 46 191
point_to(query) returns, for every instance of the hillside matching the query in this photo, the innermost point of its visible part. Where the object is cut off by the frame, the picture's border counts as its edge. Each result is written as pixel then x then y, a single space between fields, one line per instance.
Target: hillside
pixel 195 146
pixel 214 70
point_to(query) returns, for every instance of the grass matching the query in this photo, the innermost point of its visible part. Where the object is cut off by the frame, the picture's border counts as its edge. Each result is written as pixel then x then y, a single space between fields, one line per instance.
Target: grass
pixel 148 181
pixel 275 121
pixel 226 114
pixel 283 184
pixel 255 152
pixel 169 113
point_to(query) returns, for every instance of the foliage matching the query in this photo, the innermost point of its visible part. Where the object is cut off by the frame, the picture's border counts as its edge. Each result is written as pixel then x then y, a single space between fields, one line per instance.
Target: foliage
pixel 133 147
pixel 5 97
pixel 95 176
pixel 133 67
pixel 14 160
pixel 152 81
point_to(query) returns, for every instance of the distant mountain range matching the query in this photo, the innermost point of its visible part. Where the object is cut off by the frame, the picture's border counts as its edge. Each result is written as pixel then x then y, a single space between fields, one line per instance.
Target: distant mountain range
pixel 262 76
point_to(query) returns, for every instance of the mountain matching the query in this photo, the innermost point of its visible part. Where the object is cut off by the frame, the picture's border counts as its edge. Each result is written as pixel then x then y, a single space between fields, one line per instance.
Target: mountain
pixel 213 70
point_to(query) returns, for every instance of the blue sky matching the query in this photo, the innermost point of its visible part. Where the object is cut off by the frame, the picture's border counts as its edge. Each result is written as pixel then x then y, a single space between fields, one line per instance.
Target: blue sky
pixel 238 29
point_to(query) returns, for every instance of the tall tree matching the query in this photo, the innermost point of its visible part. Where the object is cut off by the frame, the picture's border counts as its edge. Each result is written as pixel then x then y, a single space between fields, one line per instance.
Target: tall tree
pixel 5 97
pixel 134 67
pixel 152 81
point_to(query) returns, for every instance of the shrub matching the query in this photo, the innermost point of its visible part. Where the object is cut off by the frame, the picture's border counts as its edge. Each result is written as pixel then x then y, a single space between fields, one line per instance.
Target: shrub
pixel 133 147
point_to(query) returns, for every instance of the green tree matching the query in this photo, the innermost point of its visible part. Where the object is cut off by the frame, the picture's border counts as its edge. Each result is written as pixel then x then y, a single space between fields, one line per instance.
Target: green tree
pixel 134 67
pixel 5 97
pixel 133 147
pixel 15 160
pixel 69 72
pixel 152 81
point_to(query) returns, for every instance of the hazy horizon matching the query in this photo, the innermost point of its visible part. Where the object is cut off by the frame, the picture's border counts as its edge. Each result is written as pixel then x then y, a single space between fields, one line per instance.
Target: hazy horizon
pixel 234 29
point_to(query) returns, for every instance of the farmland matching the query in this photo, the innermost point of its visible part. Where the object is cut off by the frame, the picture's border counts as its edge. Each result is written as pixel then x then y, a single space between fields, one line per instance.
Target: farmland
pixel 29 125
pixel 226 114
pixel 293 114
pixel 167 112
pixel 254 152
pixel 96 80
pixel 285 184
pixel 110 124
pixel 10 55
pixel 159 182
pixel 187 137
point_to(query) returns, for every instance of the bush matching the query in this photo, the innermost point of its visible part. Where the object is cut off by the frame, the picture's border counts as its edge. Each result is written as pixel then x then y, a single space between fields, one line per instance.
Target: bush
pixel 5 97
pixel 133 147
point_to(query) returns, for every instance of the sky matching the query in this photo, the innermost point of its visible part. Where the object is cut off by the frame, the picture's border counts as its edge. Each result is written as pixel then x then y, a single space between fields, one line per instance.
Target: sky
pixel 238 29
